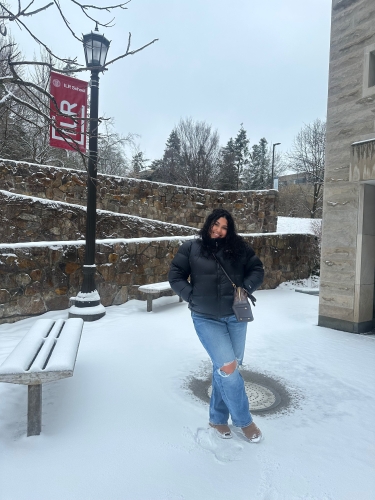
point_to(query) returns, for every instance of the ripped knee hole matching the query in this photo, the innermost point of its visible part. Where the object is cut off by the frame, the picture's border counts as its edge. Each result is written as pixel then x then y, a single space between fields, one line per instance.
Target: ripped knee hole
pixel 228 368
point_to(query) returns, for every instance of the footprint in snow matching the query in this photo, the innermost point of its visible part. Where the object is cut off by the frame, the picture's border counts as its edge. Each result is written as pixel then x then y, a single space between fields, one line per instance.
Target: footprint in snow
pixel 225 450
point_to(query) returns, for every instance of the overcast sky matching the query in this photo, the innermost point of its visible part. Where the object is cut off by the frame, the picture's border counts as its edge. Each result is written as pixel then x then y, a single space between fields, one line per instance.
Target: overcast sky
pixel 263 64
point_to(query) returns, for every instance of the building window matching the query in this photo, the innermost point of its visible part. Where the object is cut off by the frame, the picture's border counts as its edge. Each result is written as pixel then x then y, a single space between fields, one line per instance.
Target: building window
pixel 368 88
pixel 371 70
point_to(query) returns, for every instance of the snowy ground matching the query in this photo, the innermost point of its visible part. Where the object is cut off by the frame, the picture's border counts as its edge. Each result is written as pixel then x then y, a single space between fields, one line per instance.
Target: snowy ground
pixel 296 225
pixel 125 428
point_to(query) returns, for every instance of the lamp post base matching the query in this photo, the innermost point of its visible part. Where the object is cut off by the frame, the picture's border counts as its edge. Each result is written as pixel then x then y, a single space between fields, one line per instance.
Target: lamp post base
pixel 87 306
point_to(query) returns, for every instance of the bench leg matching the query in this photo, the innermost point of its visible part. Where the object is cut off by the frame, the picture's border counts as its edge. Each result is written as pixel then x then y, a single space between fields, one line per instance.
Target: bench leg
pixel 34 410
pixel 149 302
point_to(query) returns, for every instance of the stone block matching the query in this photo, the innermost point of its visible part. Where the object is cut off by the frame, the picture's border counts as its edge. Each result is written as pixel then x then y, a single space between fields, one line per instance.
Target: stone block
pixel 55 302
pixel 332 311
pixel 11 310
pixel 100 258
pixel 25 263
pixel 124 279
pixel 112 258
pixel 56 231
pixel 125 265
pixel 31 305
pixel 70 254
pixel 107 271
pixel 339 253
pixel 71 267
pixel 55 278
pixel 34 288
pixel 22 279
pixel 4 296
pixel 81 249
pixel 56 255
pixel 107 292
pixel 364 303
pixel 121 297
pixel 149 252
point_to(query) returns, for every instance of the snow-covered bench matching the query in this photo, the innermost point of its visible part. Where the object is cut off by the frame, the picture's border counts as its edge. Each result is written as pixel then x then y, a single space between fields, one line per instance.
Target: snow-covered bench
pixel 46 353
pixel 154 288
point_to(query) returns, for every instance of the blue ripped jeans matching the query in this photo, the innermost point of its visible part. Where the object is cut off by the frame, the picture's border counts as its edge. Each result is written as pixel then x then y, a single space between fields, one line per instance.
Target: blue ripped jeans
pixel 224 340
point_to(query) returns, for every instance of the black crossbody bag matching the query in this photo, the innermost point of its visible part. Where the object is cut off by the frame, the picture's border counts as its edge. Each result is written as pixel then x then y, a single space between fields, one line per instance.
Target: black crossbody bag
pixel 241 305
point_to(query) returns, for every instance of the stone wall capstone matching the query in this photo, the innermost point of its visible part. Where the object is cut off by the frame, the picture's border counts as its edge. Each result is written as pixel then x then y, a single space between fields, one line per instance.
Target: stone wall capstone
pixel 23 218
pixel 254 211
pixel 35 278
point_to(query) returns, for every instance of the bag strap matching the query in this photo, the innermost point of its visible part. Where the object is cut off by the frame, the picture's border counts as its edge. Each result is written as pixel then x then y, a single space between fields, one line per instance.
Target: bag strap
pixel 251 297
pixel 226 274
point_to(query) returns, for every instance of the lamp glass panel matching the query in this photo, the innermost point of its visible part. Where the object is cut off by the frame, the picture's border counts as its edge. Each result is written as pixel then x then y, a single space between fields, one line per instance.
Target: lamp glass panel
pixel 96 53
pixel 88 51
pixel 103 54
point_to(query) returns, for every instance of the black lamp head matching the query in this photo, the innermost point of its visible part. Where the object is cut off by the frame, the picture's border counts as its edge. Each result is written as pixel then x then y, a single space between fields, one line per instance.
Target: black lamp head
pixel 96 48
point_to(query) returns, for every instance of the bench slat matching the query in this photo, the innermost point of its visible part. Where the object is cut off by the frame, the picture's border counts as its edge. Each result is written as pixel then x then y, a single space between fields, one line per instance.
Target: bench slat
pixel 22 355
pixel 47 352
pixel 48 344
pixel 155 287
pixel 65 353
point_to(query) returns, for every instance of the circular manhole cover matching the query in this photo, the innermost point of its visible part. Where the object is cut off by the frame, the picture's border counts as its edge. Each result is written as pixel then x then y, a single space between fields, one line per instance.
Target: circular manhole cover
pixel 260 397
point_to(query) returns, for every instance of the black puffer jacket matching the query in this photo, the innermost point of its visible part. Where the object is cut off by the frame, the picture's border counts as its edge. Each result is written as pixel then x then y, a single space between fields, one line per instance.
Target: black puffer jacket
pixel 209 291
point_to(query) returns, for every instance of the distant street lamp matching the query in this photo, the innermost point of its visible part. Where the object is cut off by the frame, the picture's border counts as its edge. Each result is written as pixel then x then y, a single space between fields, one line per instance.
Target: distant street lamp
pixel 273 162
pixel 87 303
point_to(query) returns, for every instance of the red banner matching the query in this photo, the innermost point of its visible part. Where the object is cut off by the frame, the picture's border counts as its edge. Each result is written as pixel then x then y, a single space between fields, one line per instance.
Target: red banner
pixel 71 98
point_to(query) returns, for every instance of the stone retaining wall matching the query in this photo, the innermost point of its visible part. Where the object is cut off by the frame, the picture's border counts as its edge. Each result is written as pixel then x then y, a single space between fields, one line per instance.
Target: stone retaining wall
pixel 35 278
pixel 254 211
pixel 23 219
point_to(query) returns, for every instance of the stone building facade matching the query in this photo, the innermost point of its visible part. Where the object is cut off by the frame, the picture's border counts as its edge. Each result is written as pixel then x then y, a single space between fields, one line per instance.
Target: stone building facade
pixel 348 244
pixel 254 211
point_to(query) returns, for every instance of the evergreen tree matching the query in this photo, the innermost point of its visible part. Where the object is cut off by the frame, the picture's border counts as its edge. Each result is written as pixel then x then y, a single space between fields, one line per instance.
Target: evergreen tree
pixel 258 173
pixel 137 163
pixel 227 178
pixel 242 156
pixel 168 168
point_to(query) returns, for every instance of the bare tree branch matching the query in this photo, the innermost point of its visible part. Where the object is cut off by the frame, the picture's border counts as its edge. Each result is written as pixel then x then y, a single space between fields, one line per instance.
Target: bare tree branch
pixel 40 42
pixel 131 52
pixel 79 70
pixel 66 22
pixel 108 7
pixel 308 157
pixel 22 12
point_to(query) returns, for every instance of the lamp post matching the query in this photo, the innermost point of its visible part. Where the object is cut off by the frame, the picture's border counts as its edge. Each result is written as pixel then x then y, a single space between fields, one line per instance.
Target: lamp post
pixel 273 161
pixel 87 303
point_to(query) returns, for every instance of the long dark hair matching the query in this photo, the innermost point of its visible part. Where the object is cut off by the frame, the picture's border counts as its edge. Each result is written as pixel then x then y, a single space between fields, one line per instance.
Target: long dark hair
pixel 234 244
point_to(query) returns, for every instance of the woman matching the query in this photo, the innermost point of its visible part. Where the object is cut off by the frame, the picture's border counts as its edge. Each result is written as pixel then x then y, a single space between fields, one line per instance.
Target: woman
pixel 210 297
